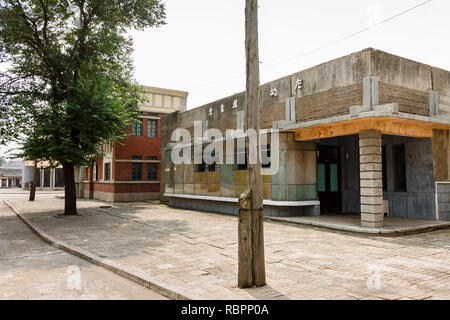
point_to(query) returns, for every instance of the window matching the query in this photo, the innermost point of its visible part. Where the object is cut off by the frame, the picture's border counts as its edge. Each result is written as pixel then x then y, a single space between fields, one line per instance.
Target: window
pixel 151 171
pixel 399 162
pixel 241 159
pixel 265 156
pixel 136 169
pixel 137 129
pixel 95 172
pixel 152 128
pixel 200 167
pixel 107 171
pixel 383 149
pixel 213 166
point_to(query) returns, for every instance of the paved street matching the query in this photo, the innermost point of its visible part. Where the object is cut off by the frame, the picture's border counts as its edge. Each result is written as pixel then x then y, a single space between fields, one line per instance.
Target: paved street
pixel 196 253
pixel 32 269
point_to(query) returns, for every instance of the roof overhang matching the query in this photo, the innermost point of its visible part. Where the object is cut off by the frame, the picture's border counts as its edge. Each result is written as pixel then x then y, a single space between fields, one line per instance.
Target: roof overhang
pixel 384 118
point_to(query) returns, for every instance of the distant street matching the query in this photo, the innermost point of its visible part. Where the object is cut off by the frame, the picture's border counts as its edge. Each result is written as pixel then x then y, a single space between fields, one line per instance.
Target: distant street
pixel 32 269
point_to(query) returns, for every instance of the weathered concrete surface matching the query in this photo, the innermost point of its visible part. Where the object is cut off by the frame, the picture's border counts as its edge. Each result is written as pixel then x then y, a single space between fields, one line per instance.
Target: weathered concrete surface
pixel 443 201
pixel 393 226
pixel 197 253
pixel 32 269
pixel 418 201
pixel 371 185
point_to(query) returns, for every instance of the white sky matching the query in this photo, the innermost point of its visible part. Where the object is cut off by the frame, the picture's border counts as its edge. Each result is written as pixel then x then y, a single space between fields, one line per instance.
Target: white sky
pixel 201 49
pixel 203 41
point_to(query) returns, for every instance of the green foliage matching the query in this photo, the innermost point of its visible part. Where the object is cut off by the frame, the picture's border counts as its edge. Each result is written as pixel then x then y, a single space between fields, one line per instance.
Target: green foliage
pixel 69 86
pixel 95 113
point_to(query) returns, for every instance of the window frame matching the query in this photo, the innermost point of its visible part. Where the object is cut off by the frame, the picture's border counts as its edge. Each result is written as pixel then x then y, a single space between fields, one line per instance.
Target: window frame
pixel 134 129
pixel 149 127
pixel 134 166
pixel 107 171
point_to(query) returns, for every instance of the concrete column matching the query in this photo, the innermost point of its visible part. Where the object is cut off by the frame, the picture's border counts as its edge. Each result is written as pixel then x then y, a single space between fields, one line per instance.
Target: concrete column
pixel 371 179
pixel 7 182
pixel 42 178
pixel 53 183
pixel 1 183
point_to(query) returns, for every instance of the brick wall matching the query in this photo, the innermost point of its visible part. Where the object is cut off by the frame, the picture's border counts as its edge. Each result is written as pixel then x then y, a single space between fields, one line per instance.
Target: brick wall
pixel 333 102
pixel 409 100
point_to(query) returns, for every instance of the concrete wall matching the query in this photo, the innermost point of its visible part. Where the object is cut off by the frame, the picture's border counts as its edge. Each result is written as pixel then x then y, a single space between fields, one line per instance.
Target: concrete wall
pixel 232 208
pixel 419 200
pixel 443 201
pixel 121 197
pixel 27 174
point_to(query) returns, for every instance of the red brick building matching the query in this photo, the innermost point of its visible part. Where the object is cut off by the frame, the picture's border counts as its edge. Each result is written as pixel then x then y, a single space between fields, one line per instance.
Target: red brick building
pixel 131 171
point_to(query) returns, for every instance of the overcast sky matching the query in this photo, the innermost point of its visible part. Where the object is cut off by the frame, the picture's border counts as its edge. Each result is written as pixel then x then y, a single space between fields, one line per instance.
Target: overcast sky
pixel 201 49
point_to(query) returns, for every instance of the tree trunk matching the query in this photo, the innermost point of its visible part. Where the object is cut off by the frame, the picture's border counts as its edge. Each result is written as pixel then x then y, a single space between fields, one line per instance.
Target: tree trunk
pixel 70 197
pixel 33 186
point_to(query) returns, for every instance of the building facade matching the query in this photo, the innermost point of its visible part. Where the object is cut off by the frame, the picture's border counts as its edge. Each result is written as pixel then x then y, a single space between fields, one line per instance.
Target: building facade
pixel 11 174
pixel 367 134
pixel 46 177
pixel 129 171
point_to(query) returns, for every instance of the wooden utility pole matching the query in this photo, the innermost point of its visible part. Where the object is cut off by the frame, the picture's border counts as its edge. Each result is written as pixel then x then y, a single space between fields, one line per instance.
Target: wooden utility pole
pixel 33 186
pixel 251 229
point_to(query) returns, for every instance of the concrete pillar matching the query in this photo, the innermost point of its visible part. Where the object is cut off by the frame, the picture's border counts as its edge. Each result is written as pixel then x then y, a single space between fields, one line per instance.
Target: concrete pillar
pixel 7 182
pixel 371 179
pixel 1 183
pixel 53 182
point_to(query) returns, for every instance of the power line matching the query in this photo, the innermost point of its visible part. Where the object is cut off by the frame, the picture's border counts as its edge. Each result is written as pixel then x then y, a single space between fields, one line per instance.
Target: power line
pixel 325 45
pixel 349 36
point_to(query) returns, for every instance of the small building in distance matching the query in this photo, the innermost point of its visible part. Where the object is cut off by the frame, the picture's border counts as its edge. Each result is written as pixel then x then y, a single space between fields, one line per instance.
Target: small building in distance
pixel 11 174
pixel 130 170
pixel 47 177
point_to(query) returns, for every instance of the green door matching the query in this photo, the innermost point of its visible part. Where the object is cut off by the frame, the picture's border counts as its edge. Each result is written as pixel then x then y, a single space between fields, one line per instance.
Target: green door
pixel 328 179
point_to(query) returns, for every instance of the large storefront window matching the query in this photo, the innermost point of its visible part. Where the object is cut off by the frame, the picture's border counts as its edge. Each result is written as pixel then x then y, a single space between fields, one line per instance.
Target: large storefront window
pixel 294 181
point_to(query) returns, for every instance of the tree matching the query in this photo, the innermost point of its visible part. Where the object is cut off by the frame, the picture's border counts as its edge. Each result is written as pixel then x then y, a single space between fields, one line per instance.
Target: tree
pixel 68 87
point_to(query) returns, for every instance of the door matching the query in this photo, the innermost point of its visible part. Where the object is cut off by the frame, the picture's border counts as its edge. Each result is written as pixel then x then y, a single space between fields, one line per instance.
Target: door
pixel 329 179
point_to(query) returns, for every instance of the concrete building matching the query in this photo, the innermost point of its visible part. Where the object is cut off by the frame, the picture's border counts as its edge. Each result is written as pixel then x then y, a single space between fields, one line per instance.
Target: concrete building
pixel 366 134
pixel 11 174
pixel 47 178
pixel 130 171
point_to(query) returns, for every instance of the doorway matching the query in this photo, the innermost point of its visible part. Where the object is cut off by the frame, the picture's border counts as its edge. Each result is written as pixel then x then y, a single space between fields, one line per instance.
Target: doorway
pixel 329 179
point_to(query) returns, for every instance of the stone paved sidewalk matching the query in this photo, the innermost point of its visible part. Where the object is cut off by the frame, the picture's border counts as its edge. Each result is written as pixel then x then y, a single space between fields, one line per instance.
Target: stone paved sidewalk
pixel 196 253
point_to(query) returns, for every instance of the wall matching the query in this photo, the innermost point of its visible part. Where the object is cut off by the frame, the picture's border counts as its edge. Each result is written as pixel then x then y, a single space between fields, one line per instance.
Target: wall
pixel 443 200
pixel 419 200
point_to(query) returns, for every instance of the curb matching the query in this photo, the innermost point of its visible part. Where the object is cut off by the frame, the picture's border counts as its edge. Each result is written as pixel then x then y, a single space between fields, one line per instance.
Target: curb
pixel 134 275
pixel 375 232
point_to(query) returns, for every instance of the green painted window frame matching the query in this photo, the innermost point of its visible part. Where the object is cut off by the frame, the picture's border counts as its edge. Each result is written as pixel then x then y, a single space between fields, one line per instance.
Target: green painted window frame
pixel 152 126
pixel 152 169
pixel 136 129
